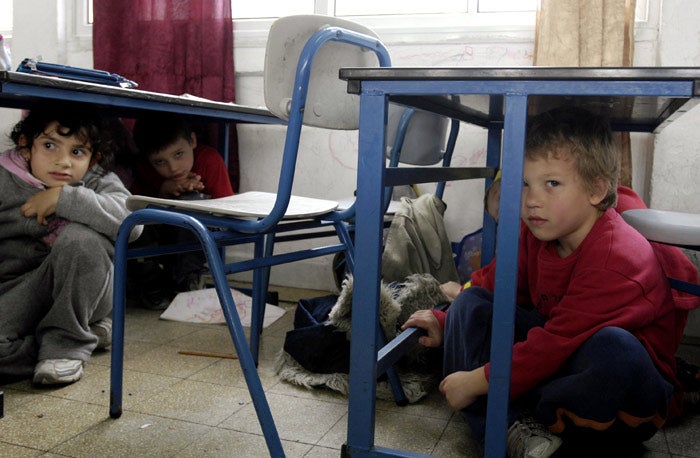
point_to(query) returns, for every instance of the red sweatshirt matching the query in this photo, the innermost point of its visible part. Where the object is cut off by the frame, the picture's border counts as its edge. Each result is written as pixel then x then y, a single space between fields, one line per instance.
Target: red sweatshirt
pixel 614 278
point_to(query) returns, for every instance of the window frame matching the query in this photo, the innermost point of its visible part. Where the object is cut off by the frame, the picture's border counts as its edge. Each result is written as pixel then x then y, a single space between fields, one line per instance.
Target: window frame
pixel 7 33
pixel 435 29
pixel 414 28
pixel 428 29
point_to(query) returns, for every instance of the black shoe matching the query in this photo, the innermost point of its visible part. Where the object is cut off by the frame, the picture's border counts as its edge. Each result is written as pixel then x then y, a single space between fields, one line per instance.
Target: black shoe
pixel 689 376
pixel 156 299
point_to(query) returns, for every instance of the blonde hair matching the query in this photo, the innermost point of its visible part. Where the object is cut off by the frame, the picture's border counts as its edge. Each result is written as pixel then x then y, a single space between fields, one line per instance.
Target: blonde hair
pixel 587 137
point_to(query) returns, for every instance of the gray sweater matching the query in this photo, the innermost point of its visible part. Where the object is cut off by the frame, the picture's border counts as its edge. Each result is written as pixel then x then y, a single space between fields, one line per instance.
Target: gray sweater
pixel 99 202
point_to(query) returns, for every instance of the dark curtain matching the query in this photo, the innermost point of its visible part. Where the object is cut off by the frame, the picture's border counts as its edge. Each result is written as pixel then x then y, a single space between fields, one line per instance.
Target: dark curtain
pixel 173 47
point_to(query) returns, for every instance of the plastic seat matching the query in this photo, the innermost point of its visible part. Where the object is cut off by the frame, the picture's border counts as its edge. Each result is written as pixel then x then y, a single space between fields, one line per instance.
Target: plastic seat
pixel 303 56
pixel 670 228
pixel 420 138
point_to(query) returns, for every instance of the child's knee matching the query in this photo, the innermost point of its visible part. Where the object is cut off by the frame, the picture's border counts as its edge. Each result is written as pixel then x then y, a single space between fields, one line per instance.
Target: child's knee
pixel 475 302
pixel 77 239
pixel 619 349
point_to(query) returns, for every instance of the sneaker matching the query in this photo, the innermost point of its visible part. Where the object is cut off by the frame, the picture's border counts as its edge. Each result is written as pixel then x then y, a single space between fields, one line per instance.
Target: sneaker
pixel 529 439
pixel 58 371
pixel 103 330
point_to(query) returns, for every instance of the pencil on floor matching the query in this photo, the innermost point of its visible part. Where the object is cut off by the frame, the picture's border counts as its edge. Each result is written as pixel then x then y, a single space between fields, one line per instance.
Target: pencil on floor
pixel 208 354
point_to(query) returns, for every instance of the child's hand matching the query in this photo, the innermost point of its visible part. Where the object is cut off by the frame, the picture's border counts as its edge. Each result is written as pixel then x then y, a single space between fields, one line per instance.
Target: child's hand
pixel 192 182
pixel 42 204
pixel 451 289
pixel 462 388
pixel 426 320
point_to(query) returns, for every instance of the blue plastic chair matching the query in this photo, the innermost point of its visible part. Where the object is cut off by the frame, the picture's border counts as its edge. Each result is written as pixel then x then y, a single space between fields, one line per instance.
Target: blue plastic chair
pixel 257 217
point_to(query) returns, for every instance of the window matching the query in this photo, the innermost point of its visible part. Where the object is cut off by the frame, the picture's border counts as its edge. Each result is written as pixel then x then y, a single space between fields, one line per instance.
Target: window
pixel 418 21
pixel 264 8
pixel 398 21
pixel 5 17
pixel 260 9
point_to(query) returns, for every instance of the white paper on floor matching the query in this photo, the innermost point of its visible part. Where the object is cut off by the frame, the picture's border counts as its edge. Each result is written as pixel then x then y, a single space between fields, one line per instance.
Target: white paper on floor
pixel 202 306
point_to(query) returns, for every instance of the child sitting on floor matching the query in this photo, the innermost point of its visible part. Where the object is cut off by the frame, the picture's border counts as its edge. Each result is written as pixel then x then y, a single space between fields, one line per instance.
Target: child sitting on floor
pixel 61 210
pixel 172 165
pixel 596 325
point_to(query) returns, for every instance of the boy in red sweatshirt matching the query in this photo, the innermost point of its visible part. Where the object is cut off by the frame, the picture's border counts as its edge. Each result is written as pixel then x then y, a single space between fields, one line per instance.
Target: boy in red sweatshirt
pixel 172 165
pixel 596 327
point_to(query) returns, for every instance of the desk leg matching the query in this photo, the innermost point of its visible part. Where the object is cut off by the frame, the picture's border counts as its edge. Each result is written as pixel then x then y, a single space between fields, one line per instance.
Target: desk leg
pixel 506 275
pixel 493 159
pixel 368 246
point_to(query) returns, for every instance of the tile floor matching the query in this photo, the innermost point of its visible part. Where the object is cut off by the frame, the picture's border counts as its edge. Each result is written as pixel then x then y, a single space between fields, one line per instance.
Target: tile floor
pixel 178 405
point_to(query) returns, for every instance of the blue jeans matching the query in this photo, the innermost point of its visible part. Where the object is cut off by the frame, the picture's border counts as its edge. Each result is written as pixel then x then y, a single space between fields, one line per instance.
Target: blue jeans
pixel 609 374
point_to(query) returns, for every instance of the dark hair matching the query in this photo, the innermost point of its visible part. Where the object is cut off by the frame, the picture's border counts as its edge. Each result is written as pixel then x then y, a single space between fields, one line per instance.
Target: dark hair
pixel 154 132
pixel 584 135
pixel 82 120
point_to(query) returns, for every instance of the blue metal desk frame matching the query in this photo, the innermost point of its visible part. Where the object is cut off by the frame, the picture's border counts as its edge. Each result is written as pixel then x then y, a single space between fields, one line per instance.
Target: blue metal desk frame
pixel 638 99
pixel 19 90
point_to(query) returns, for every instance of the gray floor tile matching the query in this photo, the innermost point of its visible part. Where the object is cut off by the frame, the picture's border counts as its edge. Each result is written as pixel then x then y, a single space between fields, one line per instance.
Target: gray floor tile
pixel 226 443
pixel 46 421
pixel 684 437
pixel 197 402
pixel 179 405
pixel 133 434
pixel 297 419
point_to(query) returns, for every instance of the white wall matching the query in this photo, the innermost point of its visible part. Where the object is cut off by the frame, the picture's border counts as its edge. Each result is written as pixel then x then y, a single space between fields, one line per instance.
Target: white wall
pixel 49 30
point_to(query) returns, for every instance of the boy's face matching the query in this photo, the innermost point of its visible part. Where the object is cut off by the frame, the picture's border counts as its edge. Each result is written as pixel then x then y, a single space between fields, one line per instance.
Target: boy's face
pixel 57 160
pixel 556 205
pixel 174 162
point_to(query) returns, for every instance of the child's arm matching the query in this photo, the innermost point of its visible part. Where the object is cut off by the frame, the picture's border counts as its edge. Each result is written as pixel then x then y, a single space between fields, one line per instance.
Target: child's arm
pixel 451 289
pixel 211 166
pixel 99 204
pixel 42 204
pixel 426 320
pixel 192 182
pixel 462 388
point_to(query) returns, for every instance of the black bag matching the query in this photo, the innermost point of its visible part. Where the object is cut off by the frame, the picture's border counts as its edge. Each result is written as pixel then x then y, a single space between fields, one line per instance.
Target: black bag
pixel 316 345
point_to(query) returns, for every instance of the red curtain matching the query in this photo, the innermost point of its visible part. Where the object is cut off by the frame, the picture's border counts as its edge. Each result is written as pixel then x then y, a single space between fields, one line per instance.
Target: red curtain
pixel 173 47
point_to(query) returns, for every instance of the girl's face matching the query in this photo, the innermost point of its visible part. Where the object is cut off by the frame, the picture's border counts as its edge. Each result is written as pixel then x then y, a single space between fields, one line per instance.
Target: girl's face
pixel 175 161
pixel 556 205
pixel 58 160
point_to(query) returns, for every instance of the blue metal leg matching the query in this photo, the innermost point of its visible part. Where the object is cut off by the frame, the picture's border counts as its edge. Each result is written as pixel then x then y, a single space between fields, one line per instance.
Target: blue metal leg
pixel 394 380
pixel 223 290
pixel 261 279
pixel 118 310
pixel 508 235
pixel 368 239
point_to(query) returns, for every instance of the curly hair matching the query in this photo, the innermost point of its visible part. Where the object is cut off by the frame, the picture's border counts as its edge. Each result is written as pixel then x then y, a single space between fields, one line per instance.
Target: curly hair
pixel 584 135
pixel 83 120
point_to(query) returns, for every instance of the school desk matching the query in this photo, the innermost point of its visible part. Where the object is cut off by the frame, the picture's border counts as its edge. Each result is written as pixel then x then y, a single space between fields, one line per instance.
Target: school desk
pixel 499 100
pixel 20 90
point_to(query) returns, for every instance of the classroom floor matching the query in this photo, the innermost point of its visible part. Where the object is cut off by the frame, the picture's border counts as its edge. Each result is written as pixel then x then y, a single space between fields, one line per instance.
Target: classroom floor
pixel 179 405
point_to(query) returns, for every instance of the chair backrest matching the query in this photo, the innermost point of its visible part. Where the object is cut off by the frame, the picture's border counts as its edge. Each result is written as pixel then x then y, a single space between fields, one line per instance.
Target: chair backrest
pixel 302 61
pixel 418 137
pixel 415 136
pixel 328 104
